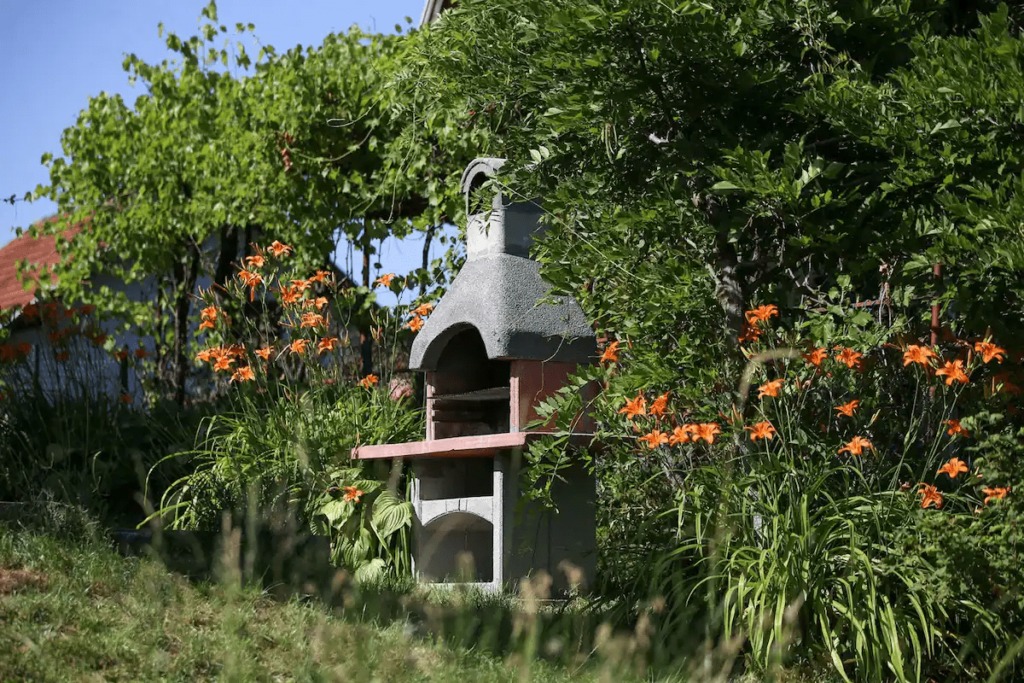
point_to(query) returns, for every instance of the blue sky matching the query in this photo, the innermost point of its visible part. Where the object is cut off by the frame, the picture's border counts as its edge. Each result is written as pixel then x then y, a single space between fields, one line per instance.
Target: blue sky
pixel 55 54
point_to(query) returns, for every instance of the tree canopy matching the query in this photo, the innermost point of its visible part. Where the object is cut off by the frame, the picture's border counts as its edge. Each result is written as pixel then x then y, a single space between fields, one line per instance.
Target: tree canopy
pixel 305 146
pixel 751 149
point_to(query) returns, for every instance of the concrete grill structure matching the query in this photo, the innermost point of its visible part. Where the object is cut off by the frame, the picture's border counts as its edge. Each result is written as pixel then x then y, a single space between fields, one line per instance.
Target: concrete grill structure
pixel 495 345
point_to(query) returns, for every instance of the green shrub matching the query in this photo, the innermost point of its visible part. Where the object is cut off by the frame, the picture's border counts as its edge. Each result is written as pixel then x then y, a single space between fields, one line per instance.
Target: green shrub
pixel 294 409
pixel 821 513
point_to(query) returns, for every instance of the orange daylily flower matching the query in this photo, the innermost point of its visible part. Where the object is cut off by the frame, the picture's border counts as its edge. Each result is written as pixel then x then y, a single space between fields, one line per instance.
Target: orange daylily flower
pixel 11 352
pixel 847 409
pixel 654 439
pixel 681 434
pixel 995 493
pixel 53 310
pixel 815 357
pixel 989 351
pixel 243 374
pixel 761 430
pixel 31 311
pixel 423 309
pixel 762 314
pixel 658 405
pixel 209 317
pixel 917 354
pixel 953 371
pixel 320 302
pixel 770 388
pixel 327 344
pixel 299 345
pixel 369 381
pixel 634 407
pixel 255 261
pixel 312 320
pixel 290 295
pixel 223 362
pixel 353 494
pixel 953 467
pixel 250 279
pixel 278 249
pixel 301 285
pixel 748 333
pixel 849 357
pixel 235 350
pixel 610 353
pixel 416 324
pixel 706 431
pixel 930 496
pixel 264 353
pixel 956 429
pixel 856 446
pixel 205 355
pixel 385 280
pixel 321 276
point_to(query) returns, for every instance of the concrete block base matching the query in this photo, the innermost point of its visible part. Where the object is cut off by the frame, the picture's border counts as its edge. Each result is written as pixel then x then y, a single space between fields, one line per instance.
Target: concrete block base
pixel 473 526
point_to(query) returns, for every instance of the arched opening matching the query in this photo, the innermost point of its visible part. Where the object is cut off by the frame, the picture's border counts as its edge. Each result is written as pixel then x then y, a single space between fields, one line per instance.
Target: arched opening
pixel 478 198
pixel 456 548
pixel 470 392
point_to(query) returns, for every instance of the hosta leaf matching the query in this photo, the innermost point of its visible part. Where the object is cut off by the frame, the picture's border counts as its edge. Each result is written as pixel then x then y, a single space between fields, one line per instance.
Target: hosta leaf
pixel 336 512
pixel 390 514
pixel 370 571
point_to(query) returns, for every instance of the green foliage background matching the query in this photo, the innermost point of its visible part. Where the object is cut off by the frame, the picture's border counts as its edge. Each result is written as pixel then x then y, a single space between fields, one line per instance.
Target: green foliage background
pixel 308 147
pixel 695 159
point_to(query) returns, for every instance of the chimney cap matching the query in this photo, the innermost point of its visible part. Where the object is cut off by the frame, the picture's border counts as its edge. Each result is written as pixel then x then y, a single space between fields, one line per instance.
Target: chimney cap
pixel 489 166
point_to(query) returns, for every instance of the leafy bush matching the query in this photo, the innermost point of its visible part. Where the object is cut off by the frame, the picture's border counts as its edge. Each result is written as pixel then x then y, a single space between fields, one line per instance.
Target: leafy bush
pixel 822 512
pixel 294 411
pixel 370 524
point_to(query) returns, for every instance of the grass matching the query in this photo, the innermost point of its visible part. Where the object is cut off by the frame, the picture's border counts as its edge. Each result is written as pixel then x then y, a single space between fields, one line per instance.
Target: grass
pixel 73 609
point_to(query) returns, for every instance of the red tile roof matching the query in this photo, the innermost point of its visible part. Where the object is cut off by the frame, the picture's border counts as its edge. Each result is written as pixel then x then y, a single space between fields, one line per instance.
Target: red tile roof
pixel 40 251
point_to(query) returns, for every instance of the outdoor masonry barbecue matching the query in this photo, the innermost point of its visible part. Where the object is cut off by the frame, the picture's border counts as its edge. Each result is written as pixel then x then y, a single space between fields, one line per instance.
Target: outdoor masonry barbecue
pixel 490 351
